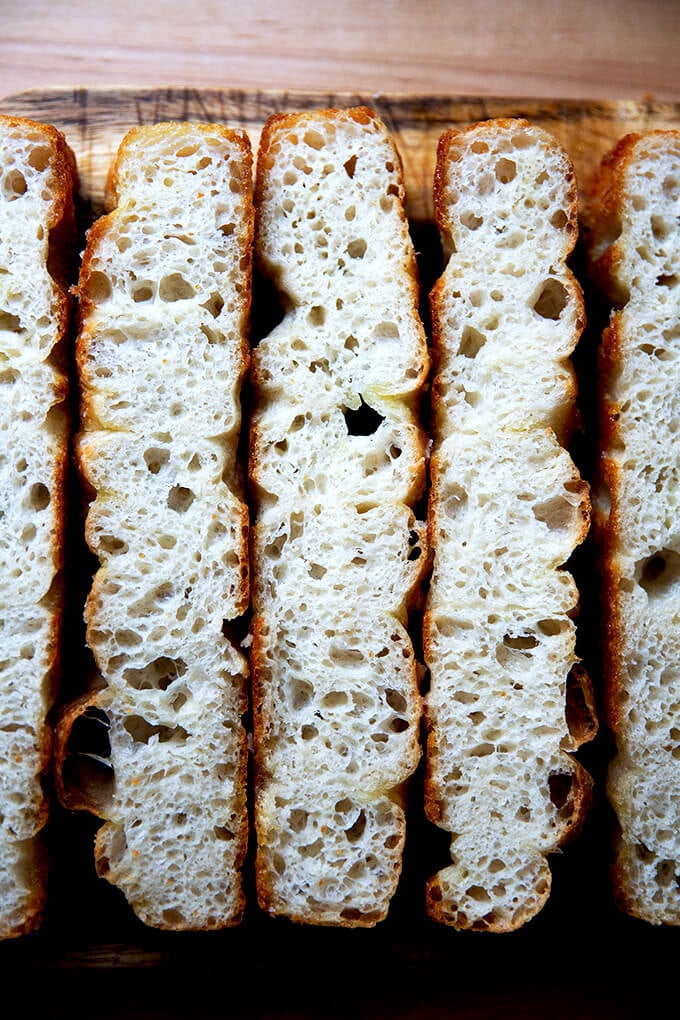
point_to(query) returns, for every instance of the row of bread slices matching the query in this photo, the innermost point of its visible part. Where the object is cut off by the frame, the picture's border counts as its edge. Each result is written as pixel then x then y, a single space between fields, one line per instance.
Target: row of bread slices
pixel 318 545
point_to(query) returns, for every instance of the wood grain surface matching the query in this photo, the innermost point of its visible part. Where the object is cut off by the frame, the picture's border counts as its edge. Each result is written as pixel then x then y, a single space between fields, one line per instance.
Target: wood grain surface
pixel 607 49
pixel 95 120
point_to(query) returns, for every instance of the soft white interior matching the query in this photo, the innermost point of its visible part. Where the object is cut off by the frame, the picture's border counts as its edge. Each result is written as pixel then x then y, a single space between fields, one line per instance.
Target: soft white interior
pixel 162 355
pixel 644 782
pixel 337 458
pixel 507 508
pixel 32 452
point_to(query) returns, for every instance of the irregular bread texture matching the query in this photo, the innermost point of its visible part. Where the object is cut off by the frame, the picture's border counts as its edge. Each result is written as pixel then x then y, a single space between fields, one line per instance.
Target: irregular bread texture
pixel 37 180
pixel 631 217
pixel 162 351
pixel 337 460
pixel 507 507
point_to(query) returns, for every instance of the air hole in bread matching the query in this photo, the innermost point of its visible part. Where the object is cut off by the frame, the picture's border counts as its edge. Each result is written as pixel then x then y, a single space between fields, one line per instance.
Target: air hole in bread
pixel 222 833
pixel 297 820
pixel 214 304
pixel 415 549
pixel 551 299
pixel 175 287
pixel 660 227
pixel 665 873
pixel 399 725
pixel 316 315
pixel 660 573
pixel 506 170
pixel 314 139
pixel 157 675
pixel 559 219
pixel 10 323
pixel 15 185
pixel 39 157
pixel 551 628
pixel 395 700
pixel 357 249
pixel 300 694
pixel 667 280
pixel 300 163
pixel 111 545
pixel 38 496
pixel 334 699
pixel 477 893
pixel 28 533
pixel 386 330
pixel 350 166
pixel 180 498
pixel 471 342
pixel 155 458
pixel 524 641
pixel 560 785
pixel 344 656
pixel 142 292
pixel 481 750
pixel 357 829
pixel 98 287
pixel 557 513
pixel 143 732
pixel 485 185
pixel 9 376
pixel 364 421
pixel 469 220
pixel 671 187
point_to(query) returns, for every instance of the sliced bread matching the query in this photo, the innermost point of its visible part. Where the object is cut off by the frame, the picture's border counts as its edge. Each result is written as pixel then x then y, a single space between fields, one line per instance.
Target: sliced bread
pixel 631 218
pixel 162 350
pixel 507 507
pixel 37 233
pixel 337 461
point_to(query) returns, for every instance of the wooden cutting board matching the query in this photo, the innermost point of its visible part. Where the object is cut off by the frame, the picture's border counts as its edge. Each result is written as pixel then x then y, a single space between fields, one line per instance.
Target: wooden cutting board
pixel 95 120
pixel 89 927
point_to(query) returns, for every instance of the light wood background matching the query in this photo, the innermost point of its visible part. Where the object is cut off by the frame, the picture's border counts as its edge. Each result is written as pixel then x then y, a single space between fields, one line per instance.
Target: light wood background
pixel 608 49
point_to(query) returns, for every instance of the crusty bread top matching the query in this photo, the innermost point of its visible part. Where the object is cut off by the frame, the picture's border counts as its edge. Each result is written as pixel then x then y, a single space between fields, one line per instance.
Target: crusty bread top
pixel 615 205
pixel 124 174
pixel 505 202
pixel 457 213
pixel 329 221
